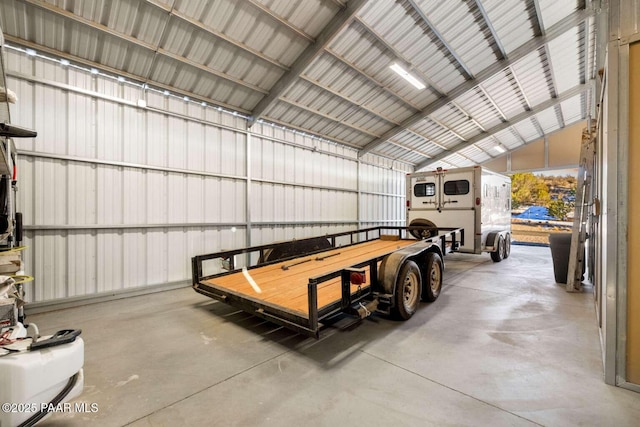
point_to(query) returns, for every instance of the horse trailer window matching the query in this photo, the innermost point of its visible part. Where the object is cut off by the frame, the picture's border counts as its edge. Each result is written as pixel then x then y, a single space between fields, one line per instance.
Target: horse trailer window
pixel 427 189
pixel 456 188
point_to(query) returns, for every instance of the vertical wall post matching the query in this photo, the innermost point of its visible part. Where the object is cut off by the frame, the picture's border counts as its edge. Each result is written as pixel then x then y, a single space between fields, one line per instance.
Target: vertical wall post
pixel 248 191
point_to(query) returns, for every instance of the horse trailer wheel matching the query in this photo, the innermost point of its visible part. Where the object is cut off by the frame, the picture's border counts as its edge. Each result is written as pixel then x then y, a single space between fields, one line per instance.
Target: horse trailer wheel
pixel 498 254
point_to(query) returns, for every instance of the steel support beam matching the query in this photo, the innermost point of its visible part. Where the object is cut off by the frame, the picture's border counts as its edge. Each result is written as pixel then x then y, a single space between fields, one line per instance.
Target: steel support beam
pixel 557 30
pixel 575 91
pixel 338 120
pixel 326 36
pixel 538 24
pixel 371 79
pixel 281 20
pixel 346 98
pixel 467 72
pixel 217 34
pixel 115 72
pixel 139 43
pixel 492 30
pixel 432 85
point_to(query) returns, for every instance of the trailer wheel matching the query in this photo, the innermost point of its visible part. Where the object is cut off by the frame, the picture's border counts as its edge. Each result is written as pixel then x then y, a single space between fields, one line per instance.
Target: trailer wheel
pixel 407 294
pixel 507 246
pixel 433 281
pixel 498 254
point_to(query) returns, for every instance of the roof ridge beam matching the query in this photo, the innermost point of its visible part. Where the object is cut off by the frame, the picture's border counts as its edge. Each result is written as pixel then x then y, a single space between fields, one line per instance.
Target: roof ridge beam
pixel 531 46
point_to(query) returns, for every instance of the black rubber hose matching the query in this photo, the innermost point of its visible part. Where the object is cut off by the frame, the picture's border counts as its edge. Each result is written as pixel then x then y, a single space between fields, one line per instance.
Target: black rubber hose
pixel 56 400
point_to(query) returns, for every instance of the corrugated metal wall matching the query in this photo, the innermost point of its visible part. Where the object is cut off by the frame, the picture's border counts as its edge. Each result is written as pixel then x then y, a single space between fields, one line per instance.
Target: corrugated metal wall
pixel 119 196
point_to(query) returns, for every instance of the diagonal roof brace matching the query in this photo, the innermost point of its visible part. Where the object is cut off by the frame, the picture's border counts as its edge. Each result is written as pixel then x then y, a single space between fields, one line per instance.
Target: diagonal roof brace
pixel 311 52
pixel 532 45
pixel 551 103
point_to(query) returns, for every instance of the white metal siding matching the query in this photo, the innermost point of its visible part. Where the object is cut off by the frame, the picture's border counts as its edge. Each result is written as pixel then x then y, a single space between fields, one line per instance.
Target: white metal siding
pixel 117 197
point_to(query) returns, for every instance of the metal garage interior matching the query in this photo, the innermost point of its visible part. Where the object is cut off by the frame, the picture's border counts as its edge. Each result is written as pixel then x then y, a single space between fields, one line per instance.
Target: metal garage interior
pixel 168 129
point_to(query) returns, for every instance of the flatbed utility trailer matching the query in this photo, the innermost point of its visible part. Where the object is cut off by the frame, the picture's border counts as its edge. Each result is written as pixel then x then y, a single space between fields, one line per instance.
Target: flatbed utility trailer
pixel 300 283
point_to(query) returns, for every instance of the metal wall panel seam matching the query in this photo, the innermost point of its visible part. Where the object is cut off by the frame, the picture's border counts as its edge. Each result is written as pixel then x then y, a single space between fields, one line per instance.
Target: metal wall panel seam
pixel 193 172
pixel 189 118
pixel 94 227
pixel 126 165
pixel 130 226
pixel 170 113
pixel 34 79
pixel 69 88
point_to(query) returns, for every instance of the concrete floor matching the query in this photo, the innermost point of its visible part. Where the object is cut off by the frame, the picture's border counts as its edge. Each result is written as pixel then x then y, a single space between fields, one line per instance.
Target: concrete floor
pixel 503 345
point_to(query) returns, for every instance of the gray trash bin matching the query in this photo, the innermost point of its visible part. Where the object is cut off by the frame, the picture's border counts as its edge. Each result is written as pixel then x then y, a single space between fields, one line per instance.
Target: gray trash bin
pixel 560 244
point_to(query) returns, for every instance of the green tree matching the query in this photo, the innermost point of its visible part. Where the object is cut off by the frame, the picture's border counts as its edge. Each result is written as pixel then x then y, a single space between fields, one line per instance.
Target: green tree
pixel 559 209
pixel 528 189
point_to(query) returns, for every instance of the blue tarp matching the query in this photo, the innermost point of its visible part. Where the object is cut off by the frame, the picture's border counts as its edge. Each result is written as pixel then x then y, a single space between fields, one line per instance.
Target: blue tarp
pixel 536 212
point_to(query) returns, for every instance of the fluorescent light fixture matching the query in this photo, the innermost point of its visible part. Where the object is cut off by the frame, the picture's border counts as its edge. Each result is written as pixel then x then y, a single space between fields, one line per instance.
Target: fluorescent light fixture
pixel 186 98
pixel 120 79
pixel 95 71
pixel 408 77
pixel 30 52
pixel 64 62
pixel 499 149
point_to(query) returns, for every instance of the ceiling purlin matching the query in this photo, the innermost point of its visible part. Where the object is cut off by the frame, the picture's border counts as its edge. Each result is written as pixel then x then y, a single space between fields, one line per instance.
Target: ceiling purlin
pixel 371 79
pixel 161 40
pixel 440 40
pixel 575 91
pixel 116 72
pixel 154 48
pixel 217 34
pixel 281 20
pixel 493 103
pixel 326 36
pixel 433 86
pixel 533 45
pixel 341 120
pixel 407 148
pixel 361 104
pixel 483 21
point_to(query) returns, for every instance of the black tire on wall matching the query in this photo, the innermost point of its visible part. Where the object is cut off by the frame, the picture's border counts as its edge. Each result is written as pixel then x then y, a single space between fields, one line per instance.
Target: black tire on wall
pixel 407 292
pixel 433 281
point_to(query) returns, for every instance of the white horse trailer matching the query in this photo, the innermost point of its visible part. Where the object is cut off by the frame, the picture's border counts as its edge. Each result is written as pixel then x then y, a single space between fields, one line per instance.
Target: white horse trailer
pixel 474 199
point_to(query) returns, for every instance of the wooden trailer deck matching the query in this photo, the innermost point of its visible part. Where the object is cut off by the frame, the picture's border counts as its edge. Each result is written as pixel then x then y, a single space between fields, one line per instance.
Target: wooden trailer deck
pixel 287 288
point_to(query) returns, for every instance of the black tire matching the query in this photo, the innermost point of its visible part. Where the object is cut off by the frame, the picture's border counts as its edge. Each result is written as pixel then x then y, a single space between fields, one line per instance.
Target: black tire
pixel 407 293
pixel 433 281
pixel 498 254
pixel 507 247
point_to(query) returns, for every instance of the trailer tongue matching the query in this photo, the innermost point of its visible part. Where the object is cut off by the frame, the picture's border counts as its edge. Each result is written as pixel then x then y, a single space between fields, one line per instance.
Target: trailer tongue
pixel 300 283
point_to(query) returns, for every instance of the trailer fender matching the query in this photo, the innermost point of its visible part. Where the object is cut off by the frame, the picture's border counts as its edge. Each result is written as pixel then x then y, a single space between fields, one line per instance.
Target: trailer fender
pixel 492 239
pixel 392 264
